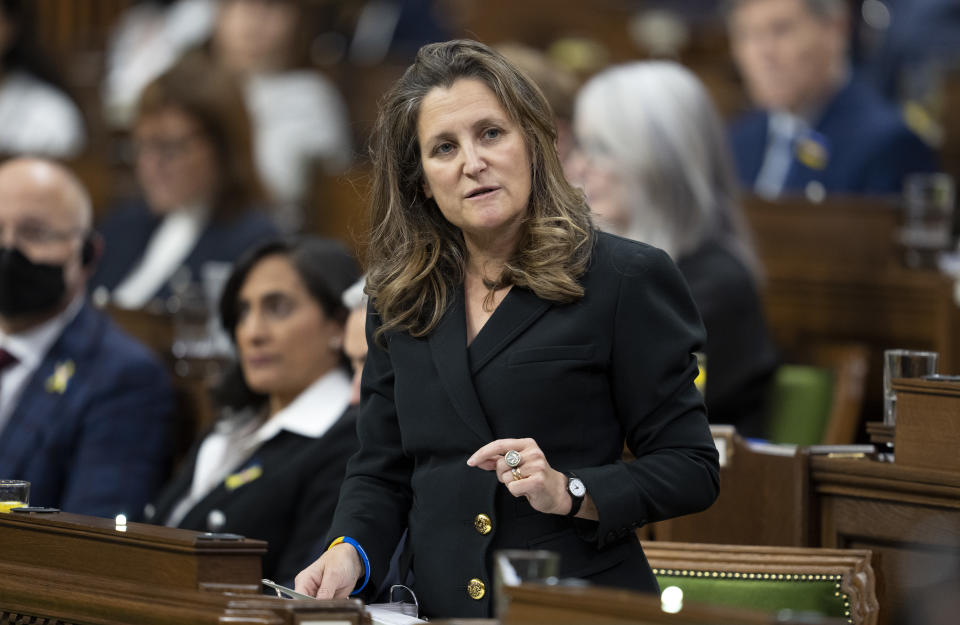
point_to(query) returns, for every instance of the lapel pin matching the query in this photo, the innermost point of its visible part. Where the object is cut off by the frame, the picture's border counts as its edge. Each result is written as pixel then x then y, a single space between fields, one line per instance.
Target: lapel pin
pixel 811 150
pixel 245 476
pixel 57 383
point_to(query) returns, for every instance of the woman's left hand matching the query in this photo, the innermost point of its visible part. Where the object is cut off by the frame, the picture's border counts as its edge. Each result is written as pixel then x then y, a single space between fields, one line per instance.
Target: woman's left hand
pixel 544 487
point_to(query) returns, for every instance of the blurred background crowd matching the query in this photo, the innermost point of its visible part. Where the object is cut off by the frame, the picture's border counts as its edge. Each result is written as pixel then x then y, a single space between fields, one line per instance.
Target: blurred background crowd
pixel 204 129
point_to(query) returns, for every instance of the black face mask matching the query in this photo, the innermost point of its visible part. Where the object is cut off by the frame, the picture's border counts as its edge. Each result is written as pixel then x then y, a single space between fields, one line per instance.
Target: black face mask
pixel 27 287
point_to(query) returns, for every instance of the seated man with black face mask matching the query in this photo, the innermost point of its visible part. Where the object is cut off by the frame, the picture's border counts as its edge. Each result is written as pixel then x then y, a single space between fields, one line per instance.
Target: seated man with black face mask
pixel 85 411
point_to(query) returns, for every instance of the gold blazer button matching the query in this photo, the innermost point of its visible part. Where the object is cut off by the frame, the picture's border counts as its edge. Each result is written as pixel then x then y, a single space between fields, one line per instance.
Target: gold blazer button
pixel 482 524
pixel 476 589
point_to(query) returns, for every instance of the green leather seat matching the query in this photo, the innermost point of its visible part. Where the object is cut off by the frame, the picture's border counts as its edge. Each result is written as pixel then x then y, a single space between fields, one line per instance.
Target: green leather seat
pixel 801 402
pixel 767 592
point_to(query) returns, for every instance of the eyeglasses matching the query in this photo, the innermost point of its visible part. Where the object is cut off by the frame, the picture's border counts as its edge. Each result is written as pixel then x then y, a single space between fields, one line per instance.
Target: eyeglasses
pixel 37 234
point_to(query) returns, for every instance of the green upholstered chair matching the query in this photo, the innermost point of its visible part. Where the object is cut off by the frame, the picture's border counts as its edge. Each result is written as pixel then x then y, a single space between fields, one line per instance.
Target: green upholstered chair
pixel 830 582
pixel 819 401
pixel 800 406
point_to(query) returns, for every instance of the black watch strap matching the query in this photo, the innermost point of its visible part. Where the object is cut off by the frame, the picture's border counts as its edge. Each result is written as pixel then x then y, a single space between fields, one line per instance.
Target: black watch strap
pixel 577 500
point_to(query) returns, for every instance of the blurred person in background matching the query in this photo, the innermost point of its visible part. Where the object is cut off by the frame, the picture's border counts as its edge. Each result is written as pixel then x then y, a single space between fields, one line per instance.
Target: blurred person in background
pixel 815 130
pixel 271 466
pixel 202 202
pixel 655 166
pixel 85 411
pixel 36 115
pixel 299 117
pixel 149 38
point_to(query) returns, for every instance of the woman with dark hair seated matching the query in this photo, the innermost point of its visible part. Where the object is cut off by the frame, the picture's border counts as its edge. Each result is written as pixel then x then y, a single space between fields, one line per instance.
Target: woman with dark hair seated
pixel 271 466
pixel 202 200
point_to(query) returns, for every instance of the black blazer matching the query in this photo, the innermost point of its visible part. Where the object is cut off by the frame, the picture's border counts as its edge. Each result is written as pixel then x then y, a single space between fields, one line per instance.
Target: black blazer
pixel 289 505
pixel 580 379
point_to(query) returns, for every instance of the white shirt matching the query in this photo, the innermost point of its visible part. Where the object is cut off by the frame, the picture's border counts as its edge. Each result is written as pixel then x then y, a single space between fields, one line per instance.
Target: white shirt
pixel 36 118
pixel 233 442
pixel 169 246
pixel 29 348
pixel 299 118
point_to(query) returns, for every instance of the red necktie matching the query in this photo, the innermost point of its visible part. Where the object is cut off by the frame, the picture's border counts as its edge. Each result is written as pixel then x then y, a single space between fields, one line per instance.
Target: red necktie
pixel 6 359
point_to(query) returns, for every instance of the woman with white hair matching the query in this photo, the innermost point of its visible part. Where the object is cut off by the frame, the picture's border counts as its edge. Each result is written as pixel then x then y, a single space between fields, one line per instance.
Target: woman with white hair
pixel 653 161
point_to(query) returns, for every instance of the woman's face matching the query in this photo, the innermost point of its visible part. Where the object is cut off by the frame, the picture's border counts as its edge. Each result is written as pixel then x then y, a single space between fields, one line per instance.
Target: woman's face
pixel 284 339
pixel 475 161
pixel 175 161
pixel 603 184
pixel 255 35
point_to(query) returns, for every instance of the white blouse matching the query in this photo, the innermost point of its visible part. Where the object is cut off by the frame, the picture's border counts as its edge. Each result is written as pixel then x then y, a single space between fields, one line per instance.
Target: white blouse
pixel 233 441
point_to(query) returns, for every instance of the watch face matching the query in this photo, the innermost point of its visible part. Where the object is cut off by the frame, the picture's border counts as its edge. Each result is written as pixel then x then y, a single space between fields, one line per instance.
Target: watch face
pixel 576 487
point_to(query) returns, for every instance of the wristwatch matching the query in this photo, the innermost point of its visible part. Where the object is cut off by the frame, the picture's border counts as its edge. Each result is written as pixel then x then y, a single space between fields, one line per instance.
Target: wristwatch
pixel 577 492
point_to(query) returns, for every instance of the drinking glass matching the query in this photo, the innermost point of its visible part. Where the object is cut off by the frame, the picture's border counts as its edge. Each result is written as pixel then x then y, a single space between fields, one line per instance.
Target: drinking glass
pixel 928 202
pixel 903 363
pixel 14 494
pixel 512 567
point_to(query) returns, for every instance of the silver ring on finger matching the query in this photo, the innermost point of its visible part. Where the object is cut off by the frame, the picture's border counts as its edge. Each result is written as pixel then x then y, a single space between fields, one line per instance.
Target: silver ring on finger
pixel 513 458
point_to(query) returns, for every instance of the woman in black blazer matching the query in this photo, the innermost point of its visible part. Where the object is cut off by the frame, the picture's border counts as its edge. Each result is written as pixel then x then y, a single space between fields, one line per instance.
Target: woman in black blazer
pixel 512 352
pixel 272 465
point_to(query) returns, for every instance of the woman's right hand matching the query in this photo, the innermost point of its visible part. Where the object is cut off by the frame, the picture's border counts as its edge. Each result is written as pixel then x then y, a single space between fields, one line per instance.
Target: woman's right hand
pixel 333 576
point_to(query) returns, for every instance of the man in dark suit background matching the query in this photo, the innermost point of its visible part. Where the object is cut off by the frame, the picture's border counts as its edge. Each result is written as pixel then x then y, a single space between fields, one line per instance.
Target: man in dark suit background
pixel 816 130
pixel 85 411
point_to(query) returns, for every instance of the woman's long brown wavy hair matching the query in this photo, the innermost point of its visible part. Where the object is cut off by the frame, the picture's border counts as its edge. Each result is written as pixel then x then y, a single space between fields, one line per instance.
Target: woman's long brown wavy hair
pixel 415 256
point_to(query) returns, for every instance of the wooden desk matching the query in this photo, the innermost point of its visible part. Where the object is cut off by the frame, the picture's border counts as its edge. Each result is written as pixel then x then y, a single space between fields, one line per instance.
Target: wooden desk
pixel 834 274
pixel 909 517
pixel 155 555
pixel 763 500
pixel 69 569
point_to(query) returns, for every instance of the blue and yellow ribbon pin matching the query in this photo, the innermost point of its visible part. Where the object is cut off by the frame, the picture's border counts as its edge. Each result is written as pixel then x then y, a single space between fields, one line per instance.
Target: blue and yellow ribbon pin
pixel 57 383
pixel 238 479
pixel 812 150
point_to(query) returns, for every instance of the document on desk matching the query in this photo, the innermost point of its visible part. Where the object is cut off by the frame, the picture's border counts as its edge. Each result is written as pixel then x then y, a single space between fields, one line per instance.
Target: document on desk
pixel 383 615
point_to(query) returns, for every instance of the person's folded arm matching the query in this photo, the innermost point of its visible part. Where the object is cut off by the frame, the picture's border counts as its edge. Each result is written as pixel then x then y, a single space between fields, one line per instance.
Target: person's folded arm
pixel 656 330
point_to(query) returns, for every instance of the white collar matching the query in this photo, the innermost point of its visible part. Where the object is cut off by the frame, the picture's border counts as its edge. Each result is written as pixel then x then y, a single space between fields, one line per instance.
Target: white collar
pixel 314 410
pixel 786 124
pixel 30 346
pixel 193 215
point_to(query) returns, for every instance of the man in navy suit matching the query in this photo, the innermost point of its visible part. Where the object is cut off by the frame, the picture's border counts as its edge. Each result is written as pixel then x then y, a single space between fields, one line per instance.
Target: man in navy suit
pixel 85 412
pixel 816 130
